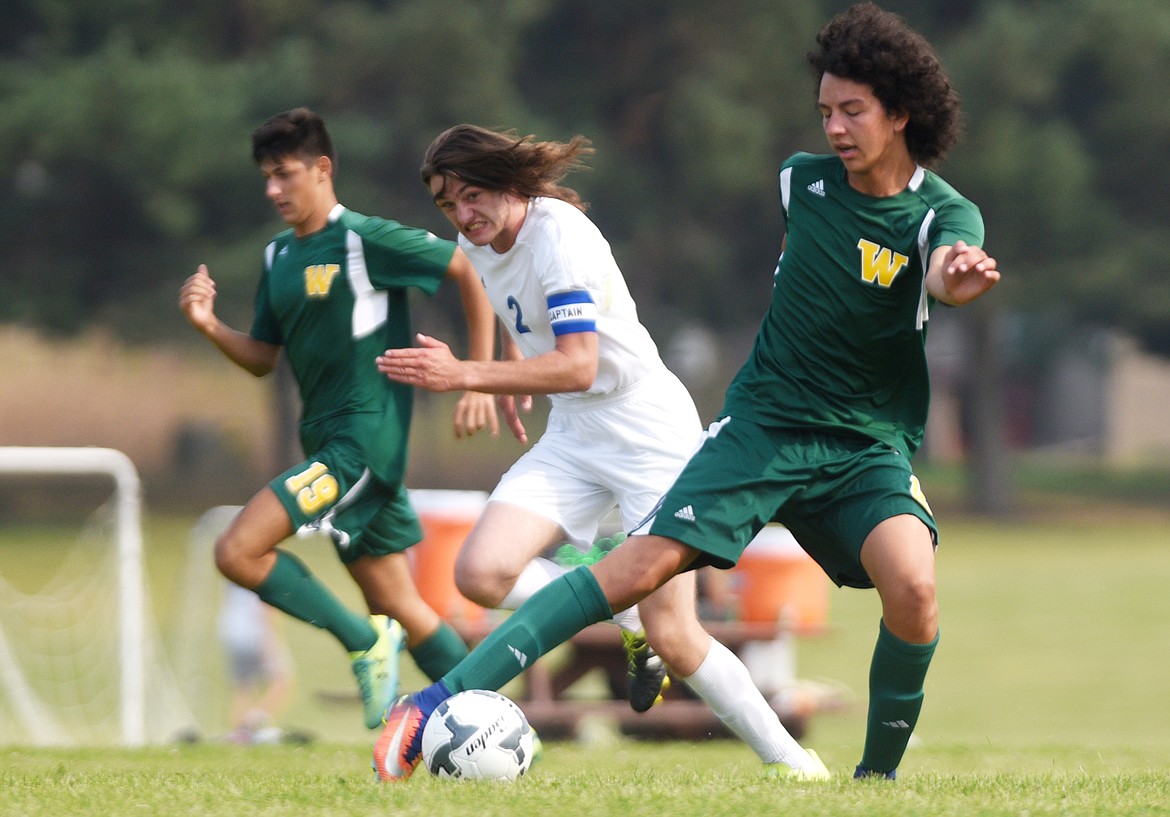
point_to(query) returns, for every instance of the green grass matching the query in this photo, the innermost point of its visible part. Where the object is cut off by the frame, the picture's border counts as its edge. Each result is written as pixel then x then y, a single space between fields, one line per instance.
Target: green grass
pixel 715 778
pixel 1047 697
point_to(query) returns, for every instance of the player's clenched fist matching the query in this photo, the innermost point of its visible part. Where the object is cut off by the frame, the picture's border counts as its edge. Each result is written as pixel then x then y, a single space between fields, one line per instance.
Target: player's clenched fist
pixel 197 298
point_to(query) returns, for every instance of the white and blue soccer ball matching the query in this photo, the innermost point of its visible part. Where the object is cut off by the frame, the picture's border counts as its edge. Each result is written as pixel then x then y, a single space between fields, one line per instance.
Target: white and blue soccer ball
pixel 477 735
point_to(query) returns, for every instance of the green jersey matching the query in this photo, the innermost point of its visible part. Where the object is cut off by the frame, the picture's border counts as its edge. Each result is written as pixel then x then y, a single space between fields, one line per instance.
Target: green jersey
pixel 335 300
pixel 842 347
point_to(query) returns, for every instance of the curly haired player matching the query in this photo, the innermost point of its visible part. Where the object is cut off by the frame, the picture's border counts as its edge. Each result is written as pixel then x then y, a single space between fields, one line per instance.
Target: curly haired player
pixel 819 425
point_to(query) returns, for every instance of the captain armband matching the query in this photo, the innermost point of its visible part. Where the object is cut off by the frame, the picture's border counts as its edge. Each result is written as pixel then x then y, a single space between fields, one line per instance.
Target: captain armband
pixel 572 312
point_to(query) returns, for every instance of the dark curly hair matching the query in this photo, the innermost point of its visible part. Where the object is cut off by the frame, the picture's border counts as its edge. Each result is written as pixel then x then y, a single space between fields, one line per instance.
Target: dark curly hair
pixel 877 48
pixel 506 161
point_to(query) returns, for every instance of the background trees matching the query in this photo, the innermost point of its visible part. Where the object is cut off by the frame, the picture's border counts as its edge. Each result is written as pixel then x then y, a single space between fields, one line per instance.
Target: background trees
pixel 124 141
pixel 125 126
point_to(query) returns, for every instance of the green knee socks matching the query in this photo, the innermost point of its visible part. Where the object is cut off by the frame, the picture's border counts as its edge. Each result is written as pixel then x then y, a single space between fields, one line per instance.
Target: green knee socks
pixel 896 678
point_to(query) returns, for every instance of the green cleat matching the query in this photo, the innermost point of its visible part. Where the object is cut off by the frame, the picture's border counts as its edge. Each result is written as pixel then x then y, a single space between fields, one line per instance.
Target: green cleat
pixel 376 669
pixel 572 556
pixel 646 678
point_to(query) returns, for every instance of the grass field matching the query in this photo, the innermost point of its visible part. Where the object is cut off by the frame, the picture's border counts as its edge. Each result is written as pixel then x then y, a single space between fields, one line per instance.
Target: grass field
pixel 1048 695
pixel 668 779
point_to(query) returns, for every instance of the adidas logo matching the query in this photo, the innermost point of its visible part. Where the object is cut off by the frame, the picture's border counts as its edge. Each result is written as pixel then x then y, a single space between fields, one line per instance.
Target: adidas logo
pixel 521 657
pixel 899 724
pixel 817 188
pixel 686 514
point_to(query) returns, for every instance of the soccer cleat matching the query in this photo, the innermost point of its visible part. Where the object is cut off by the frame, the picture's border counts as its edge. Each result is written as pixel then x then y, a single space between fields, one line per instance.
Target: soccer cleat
pixel 570 556
pixel 376 669
pixel 863 773
pixel 645 672
pixel 815 771
pixel 399 748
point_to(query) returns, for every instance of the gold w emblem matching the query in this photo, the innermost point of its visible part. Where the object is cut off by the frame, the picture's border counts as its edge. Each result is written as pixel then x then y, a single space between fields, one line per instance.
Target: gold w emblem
pixel 319 278
pixel 880 265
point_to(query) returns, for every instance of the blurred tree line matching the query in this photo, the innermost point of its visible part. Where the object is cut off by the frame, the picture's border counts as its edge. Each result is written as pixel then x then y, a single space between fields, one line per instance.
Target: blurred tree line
pixel 124 147
pixel 124 140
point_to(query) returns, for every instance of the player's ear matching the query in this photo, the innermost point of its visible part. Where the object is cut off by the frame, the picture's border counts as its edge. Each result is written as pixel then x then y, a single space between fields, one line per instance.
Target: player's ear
pixel 324 167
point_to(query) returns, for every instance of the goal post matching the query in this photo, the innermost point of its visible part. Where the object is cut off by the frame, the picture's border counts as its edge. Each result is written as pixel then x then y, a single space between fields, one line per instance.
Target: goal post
pixel 16 460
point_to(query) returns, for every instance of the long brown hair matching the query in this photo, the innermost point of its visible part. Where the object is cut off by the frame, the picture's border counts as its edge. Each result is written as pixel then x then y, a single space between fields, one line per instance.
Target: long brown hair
pixel 505 161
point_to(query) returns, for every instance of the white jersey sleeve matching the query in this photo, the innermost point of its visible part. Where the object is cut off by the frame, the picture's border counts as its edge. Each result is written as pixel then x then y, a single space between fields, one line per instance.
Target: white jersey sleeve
pixel 560 276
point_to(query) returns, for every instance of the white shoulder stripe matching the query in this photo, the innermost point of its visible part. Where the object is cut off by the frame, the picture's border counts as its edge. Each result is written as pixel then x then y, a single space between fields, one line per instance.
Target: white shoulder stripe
pixel 918 178
pixel 924 255
pixel 785 187
pixel 370 306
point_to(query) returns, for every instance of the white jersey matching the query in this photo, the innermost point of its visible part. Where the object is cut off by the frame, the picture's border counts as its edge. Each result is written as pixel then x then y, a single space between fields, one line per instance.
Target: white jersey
pixel 622 441
pixel 560 276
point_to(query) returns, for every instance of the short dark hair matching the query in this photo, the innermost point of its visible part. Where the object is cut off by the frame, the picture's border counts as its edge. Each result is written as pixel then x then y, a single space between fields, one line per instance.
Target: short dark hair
pixel 299 132
pixel 878 48
pixel 505 161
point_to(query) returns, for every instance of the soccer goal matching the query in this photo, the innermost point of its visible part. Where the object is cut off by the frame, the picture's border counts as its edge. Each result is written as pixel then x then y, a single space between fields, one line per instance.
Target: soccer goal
pixel 73 649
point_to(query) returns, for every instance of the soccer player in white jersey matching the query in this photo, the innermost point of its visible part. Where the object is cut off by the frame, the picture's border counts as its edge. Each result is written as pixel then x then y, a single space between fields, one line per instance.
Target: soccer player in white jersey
pixel 621 425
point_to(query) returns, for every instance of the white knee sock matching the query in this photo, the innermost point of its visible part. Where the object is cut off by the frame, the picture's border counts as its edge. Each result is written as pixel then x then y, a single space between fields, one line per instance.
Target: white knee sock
pixel 539 572
pixel 535 575
pixel 629 619
pixel 725 684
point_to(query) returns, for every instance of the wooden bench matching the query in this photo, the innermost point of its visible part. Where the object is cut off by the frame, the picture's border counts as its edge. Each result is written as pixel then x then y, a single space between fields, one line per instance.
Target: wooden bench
pixel 680 715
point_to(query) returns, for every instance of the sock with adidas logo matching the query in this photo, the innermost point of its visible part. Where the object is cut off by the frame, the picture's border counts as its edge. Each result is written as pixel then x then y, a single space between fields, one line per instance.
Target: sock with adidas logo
pixel 896 677
pixel 556 613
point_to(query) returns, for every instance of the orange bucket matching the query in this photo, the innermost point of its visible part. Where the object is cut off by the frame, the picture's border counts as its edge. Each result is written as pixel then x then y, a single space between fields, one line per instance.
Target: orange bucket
pixel 778 581
pixel 447 517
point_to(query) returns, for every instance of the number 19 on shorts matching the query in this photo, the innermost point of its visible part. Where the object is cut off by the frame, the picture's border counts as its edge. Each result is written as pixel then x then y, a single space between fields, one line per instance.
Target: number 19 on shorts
pixel 314 488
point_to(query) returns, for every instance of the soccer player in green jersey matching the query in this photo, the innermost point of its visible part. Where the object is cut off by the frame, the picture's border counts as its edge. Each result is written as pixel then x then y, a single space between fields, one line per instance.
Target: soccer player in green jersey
pixel 819 424
pixel 333 295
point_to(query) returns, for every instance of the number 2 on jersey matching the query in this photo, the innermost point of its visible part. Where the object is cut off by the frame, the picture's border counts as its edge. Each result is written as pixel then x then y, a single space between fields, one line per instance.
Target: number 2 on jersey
pixel 521 327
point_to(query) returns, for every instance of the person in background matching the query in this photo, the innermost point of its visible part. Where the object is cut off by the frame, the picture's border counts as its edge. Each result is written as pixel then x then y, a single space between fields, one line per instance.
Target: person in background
pixel 258 666
pixel 819 425
pixel 333 294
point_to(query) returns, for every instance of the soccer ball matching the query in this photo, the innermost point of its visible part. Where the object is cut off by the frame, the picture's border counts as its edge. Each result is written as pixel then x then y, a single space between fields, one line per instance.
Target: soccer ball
pixel 477 735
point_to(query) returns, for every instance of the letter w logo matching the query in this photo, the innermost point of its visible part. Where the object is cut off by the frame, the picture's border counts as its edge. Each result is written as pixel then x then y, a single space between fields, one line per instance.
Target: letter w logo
pixel 319 278
pixel 880 265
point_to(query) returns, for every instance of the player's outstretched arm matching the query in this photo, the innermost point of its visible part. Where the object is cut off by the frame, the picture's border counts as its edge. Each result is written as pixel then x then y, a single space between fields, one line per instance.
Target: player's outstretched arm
pixel 197 301
pixel 430 365
pixel 960 273
pixel 475 410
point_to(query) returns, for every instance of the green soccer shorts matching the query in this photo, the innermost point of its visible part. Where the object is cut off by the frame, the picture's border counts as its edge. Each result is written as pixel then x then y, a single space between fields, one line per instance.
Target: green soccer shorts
pixel 333 491
pixel 829 490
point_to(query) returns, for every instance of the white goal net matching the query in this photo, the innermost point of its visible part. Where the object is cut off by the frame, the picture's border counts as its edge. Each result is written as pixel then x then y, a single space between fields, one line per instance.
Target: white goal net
pixel 80 661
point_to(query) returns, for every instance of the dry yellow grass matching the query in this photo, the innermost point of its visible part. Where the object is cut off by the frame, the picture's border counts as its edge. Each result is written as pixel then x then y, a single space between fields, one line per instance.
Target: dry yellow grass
pixel 95 391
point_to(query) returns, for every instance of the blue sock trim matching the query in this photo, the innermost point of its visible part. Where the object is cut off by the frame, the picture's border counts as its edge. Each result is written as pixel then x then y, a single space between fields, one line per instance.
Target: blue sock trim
pixel 428 699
